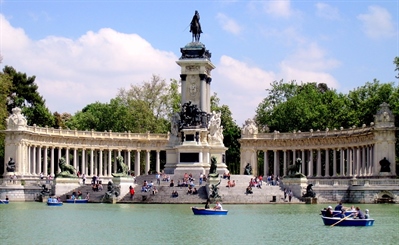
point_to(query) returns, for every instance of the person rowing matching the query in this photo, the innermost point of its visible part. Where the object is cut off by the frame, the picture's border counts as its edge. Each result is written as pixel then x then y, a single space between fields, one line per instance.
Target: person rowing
pixel 218 206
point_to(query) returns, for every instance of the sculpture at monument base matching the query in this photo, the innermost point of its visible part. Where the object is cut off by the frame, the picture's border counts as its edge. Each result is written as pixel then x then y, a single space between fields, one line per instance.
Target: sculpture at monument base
pixel 309 192
pixel 121 168
pixel 215 190
pixel 248 169
pixel 294 170
pixel 113 192
pixel 385 165
pixel 67 171
pixel 213 169
pixel 11 165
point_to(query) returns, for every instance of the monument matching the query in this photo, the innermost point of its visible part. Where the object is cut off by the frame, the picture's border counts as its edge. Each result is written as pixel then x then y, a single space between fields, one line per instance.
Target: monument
pixel 196 132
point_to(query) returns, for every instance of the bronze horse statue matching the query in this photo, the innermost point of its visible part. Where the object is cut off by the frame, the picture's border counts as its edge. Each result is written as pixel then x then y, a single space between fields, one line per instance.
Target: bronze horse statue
pixel 195 27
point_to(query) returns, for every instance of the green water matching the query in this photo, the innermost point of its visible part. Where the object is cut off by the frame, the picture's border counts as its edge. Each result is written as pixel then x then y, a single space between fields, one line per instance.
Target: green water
pixel 36 223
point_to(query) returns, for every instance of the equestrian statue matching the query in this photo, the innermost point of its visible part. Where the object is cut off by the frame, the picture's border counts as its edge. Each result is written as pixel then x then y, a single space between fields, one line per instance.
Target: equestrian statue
pixel 195 27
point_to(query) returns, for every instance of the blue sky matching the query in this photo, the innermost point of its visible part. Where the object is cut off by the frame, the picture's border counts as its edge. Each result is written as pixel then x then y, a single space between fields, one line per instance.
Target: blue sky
pixel 83 51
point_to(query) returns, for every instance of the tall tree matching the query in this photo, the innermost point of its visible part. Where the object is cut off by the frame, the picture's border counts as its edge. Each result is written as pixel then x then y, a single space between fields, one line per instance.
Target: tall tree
pixel 24 94
pixel 152 103
pixel 5 87
pixel 231 134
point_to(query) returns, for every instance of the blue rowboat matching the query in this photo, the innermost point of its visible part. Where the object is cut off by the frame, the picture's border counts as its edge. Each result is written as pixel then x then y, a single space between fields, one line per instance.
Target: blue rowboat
pixel 4 201
pixel 347 222
pixel 336 212
pixel 54 203
pixel 77 201
pixel 203 211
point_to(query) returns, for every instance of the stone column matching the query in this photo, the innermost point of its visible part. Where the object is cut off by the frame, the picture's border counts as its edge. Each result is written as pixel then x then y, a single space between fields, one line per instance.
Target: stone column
pixel 368 168
pixel 350 162
pixel 92 162
pixel 158 162
pixel 45 160
pixel 342 167
pixel 318 172
pixel 52 162
pixel 335 162
pixel 363 171
pixel 303 162
pixel 275 163
pixel 59 157
pixel 75 156
pixel 39 160
pixel 284 162
pixel 29 159
pixel 327 169
pixel 358 162
pixel 100 168
pixel 310 167
pixel 68 161
pixel 109 162
pixel 84 161
pixel 147 161
pixel 128 160
pixel 137 163
pixel 265 163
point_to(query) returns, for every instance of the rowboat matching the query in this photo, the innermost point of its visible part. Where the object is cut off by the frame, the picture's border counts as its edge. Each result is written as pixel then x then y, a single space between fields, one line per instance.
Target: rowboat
pixel 4 201
pixel 347 221
pixel 336 212
pixel 203 211
pixel 77 201
pixel 54 203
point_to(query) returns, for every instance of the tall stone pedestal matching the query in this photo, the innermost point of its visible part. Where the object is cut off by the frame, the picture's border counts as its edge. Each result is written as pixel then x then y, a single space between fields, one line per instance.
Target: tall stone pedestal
pixel 124 183
pixel 296 185
pixel 64 185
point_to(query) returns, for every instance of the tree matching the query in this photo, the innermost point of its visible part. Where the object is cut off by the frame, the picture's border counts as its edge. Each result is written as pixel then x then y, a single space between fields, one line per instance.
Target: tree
pixel 302 107
pixel 231 134
pixel 152 104
pixel 5 87
pixel 396 62
pixel 23 94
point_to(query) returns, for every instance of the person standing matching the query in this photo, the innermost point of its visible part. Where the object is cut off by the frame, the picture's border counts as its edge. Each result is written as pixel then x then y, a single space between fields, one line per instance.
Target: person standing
pixel 84 179
pixel 131 192
pixel 158 176
pixel 289 195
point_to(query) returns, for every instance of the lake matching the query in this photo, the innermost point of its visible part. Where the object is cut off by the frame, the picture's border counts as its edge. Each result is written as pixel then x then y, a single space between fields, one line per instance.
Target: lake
pixel 36 223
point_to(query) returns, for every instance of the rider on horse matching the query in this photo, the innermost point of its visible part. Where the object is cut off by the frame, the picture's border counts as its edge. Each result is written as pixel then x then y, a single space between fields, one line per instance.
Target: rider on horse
pixel 195 26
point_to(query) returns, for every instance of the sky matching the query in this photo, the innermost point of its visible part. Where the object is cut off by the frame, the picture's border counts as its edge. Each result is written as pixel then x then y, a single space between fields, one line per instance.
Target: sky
pixel 84 51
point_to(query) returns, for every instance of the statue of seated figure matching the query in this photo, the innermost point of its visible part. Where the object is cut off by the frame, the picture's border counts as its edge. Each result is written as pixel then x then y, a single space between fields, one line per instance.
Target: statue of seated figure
pixel 11 165
pixel 248 169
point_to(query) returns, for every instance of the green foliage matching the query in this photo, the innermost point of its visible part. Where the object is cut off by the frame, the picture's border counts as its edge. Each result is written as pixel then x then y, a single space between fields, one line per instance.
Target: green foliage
pixel 396 62
pixel 231 134
pixel 5 87
pixel 23 94
pixel 140 109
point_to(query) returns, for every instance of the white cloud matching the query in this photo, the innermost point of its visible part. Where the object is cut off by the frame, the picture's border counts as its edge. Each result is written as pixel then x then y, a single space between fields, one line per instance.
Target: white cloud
pixel 326 11
pixel 228 24
pixel 246 86
pixel 73 73
pixel 309 64
pixel 377 23
pixel 278 8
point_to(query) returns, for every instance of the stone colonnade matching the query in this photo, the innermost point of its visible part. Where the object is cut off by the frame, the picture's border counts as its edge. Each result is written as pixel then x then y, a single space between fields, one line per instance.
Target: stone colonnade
pixel 37 150
pixel 335 162
pixel 360 152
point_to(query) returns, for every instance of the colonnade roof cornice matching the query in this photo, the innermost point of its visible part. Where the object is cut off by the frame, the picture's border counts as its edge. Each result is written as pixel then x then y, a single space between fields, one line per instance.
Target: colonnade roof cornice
pixel 73 139
pixel 332 142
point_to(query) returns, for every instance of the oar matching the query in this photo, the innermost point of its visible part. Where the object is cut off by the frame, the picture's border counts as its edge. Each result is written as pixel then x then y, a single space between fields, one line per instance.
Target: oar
pixel 341 220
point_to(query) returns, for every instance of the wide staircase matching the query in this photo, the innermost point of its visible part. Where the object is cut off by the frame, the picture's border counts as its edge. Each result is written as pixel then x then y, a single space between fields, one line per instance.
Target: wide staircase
pixel 237 195
pixel 164 194
pixel 265 194
pixel 95 196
